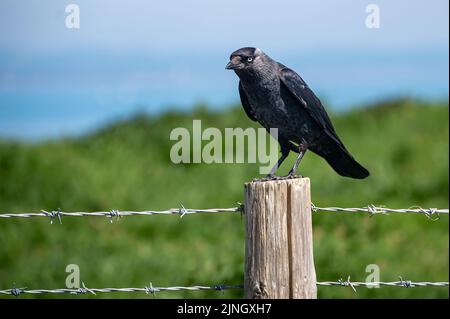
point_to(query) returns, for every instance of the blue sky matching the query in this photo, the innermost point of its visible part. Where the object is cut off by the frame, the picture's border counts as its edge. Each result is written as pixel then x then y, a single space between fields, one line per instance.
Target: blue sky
pixel 154 56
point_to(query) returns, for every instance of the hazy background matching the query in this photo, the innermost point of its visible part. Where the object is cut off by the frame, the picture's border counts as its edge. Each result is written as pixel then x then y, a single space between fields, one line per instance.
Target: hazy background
pixel 85 119
pixel 160 55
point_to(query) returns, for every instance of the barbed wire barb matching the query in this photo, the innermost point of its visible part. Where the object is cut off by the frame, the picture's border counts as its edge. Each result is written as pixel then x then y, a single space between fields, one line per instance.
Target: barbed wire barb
pixel 405 283
pixel 430 212
pixel 53 214
pixel 114 213
pixel 182 211
pixel 151 290
pixel 347 283
pixel 16 292
pixel 87 289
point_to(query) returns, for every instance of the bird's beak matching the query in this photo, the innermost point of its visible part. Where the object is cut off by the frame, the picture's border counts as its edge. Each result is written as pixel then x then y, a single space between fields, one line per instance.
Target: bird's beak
pixel 234 64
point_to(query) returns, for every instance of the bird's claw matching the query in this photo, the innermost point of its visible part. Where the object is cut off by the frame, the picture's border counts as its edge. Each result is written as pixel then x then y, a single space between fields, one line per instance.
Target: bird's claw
pixel 277 178
pixel 292 175
pixel 269 177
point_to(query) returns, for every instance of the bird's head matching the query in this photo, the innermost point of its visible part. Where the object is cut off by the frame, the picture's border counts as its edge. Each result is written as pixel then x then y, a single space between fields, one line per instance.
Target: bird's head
pixel 245 59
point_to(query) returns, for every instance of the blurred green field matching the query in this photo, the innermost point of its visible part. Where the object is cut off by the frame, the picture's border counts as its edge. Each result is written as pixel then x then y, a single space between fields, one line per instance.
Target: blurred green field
pixel 126 166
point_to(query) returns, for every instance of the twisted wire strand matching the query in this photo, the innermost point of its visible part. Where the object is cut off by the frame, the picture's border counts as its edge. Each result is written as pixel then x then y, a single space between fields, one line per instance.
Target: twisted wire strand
pixel 84 290
pixel 431 213
pixel 152 290
pixel 401 283
pixel 116 213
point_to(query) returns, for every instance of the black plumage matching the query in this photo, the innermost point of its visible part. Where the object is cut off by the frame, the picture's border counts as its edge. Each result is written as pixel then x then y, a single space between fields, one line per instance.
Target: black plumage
pixel 277 97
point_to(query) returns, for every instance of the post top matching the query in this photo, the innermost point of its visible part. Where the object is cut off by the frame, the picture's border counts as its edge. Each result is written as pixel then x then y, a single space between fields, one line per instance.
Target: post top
pixel 296 180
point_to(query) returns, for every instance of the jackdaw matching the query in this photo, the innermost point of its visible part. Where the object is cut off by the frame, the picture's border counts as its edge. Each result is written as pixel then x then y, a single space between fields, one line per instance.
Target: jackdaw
pixel 277 97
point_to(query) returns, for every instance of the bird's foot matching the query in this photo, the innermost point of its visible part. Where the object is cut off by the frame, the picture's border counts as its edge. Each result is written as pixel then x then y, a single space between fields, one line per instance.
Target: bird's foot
pixel 292 175
pixel 272 177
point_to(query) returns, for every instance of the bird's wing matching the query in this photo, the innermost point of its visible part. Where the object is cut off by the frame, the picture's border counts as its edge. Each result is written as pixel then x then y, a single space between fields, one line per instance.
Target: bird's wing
pixel 308 100
pixel 245 103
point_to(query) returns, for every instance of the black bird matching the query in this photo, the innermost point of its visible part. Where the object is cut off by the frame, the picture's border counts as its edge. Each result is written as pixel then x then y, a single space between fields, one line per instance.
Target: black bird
pixel 277 97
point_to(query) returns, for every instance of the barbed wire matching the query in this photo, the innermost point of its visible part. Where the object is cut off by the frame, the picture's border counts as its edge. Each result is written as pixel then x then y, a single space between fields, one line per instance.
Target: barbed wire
pixel 118 214
pixel 84 290
pixel 431 213
pixel 400 283
pixel 153 290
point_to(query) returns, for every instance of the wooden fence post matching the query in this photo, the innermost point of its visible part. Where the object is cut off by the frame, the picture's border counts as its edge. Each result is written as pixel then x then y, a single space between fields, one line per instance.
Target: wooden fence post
pixel 279 248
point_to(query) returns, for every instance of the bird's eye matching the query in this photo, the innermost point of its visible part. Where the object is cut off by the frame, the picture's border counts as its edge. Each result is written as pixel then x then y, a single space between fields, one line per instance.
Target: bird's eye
pixel 249 59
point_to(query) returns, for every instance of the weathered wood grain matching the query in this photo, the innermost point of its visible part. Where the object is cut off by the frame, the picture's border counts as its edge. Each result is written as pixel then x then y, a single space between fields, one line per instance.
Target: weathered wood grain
pixel 279 248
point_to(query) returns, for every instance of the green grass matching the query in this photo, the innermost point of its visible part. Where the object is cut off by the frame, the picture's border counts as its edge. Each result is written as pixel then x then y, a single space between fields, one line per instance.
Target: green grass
pixel 126 166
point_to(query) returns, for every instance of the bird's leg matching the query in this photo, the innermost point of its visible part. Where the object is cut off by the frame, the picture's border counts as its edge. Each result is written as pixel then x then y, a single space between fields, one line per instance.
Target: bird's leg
pixel 284 154
pixel 302 148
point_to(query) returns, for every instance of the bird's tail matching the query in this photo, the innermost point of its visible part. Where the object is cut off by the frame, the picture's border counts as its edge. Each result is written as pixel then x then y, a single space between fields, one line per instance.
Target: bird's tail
pixel 344 164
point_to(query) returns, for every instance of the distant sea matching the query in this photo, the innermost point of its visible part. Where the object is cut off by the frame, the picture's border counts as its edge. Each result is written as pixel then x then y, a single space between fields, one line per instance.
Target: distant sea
pixel 47 96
